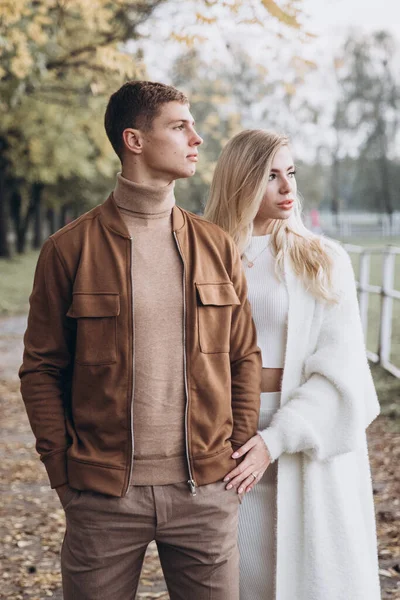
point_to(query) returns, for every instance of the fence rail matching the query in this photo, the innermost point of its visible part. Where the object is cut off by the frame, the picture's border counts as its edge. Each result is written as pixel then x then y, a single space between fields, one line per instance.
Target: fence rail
pixel 360 224
pixel 388 295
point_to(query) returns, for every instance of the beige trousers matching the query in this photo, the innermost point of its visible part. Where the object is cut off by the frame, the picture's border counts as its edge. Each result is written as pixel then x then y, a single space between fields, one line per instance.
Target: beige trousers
pixel 106 540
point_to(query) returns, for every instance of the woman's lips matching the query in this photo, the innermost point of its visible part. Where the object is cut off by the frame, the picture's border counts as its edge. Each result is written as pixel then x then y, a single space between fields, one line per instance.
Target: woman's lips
pixel 286 205
pixel 193 157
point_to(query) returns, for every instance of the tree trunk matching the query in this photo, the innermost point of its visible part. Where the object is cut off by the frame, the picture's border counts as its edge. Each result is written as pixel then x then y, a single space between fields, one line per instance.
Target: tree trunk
pixel 384 172
pixel 15 211
pixel 335 191
pixel 4 222
pixel 51 220
pixel 64 215
pixel 21 224
pixel 36 199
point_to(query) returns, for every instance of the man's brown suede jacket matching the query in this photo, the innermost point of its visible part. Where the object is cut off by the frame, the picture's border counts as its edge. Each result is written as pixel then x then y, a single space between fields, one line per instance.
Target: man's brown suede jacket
pixel 77 373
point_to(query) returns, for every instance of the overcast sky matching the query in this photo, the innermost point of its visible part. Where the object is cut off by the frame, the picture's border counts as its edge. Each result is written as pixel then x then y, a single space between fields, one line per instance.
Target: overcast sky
pixel 341 14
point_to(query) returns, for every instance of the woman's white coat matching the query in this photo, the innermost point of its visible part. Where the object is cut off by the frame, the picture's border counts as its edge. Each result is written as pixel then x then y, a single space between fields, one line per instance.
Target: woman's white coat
pixel 326 540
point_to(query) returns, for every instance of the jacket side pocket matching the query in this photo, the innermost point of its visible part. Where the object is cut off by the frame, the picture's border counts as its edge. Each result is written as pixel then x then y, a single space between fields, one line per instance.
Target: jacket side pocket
pixel 214 310
pixel 96 337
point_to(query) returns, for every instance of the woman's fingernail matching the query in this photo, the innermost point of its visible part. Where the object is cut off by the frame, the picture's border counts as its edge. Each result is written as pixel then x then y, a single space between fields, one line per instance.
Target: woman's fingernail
pixel 226 479
pixel 240 490
pixel 229 487
pixel 248 490
pixel 235 455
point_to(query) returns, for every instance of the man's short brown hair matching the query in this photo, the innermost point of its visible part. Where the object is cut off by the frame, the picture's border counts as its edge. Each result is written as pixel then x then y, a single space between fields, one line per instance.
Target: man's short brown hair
pixel 135 105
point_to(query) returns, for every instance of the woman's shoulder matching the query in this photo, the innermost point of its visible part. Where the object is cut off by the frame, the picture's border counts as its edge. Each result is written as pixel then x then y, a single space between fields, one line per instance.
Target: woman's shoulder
pixel 333 248
pixel 342 267
pixel 339 256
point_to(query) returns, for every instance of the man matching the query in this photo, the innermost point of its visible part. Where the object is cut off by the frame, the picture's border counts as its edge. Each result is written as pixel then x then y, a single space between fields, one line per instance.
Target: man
pixel 141 370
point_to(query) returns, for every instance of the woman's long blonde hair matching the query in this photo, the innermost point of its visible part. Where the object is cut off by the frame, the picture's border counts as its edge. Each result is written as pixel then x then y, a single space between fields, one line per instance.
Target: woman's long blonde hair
pixel 237 190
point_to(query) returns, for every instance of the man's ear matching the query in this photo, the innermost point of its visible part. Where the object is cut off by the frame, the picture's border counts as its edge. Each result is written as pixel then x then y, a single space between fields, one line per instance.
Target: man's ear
pixel 133 140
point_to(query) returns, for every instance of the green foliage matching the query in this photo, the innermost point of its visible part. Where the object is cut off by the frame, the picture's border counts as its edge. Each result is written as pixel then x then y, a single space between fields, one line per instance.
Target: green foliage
pixel 16 277
pixel 59 61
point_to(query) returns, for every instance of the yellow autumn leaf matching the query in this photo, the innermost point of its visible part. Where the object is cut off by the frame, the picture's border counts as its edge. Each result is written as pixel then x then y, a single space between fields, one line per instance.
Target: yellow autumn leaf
pixel 205 20
pixel 189 40
pixel 283 16
pixel 21 64
pixel 11 11
pixel 252 21
pixel 36 33
pixel 290 89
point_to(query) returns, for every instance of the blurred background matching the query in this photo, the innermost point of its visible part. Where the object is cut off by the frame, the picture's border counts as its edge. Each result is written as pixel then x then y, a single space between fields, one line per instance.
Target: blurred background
pixel 327 73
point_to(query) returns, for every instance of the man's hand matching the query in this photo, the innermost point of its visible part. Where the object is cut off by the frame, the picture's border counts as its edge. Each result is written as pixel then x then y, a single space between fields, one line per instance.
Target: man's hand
pixel 252 468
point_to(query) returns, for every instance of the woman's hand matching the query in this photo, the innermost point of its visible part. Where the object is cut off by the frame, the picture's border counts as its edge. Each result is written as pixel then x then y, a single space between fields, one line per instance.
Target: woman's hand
pixel 244 477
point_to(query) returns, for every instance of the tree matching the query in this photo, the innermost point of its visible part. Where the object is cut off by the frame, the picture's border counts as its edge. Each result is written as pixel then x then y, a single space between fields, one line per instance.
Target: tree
pixel 369 108
pixel 62 55
pixel 58 62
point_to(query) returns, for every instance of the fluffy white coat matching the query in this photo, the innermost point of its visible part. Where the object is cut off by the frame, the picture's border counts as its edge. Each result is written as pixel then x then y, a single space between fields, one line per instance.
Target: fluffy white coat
pixel 326 535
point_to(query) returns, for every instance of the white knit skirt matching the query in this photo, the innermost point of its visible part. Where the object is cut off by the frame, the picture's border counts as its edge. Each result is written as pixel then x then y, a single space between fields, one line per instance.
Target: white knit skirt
pixel 257 524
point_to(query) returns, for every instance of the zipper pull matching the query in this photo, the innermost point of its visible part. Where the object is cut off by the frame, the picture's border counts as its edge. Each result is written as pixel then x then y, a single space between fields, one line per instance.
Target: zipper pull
pixel 192 486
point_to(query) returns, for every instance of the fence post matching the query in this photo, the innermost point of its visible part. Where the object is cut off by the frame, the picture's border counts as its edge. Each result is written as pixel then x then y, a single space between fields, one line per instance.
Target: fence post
pixel 363 295
pixel 385 332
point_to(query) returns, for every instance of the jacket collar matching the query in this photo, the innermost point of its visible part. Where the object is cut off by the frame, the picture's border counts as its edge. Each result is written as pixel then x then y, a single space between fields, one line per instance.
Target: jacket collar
pixel 110 216
pixel 178 218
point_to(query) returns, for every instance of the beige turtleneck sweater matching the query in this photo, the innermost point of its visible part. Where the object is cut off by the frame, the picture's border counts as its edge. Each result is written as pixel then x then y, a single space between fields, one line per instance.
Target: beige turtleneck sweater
pixel 159 395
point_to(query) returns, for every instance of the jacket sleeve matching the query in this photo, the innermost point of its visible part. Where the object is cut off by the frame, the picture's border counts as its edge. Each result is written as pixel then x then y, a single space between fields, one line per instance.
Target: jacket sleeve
pixel 245 359
pixel 45 371
pixel 327 415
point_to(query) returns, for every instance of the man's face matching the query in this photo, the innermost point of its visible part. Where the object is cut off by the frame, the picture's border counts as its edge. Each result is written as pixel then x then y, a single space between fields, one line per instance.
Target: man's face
pixel 170 147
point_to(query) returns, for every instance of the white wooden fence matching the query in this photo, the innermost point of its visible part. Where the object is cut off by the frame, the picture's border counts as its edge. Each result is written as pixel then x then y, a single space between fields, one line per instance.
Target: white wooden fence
pixel 388 296
pixel 359 224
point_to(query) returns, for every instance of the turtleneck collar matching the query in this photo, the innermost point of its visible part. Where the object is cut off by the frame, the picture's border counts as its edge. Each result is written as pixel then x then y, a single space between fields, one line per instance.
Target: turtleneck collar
pixel 144 201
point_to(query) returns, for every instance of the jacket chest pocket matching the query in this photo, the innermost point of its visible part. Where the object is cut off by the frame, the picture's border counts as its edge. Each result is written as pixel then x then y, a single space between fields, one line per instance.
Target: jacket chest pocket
pixel 96 339
pixel 214 311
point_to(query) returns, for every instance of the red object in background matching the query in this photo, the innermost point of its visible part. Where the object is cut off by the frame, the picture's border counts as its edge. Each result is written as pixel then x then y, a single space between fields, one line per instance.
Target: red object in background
pixel 315 220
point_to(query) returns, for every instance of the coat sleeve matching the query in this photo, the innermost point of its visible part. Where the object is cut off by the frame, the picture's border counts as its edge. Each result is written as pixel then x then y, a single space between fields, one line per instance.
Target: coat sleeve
pixel 245 358
pixel 327 415
pixel 45 371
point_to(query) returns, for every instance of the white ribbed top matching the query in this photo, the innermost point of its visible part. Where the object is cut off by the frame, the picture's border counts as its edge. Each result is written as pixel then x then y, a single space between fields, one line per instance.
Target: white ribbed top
pixel 269 301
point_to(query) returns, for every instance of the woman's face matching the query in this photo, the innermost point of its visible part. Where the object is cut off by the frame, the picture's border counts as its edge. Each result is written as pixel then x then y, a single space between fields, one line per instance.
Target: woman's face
pixel 280 195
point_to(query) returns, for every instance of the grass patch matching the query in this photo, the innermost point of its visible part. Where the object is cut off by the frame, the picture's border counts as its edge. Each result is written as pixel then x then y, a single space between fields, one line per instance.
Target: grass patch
pixel 16 278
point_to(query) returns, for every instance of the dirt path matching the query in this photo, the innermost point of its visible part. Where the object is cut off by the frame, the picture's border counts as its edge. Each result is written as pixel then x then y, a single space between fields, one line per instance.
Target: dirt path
pixel 32 522
pixel 11 333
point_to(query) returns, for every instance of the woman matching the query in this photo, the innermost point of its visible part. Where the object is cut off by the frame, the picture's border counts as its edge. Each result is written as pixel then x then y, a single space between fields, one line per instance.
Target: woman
pixel 307 532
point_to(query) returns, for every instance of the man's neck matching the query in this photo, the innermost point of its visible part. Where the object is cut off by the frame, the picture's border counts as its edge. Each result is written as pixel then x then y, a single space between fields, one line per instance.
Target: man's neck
pixel 144 199
pixel 143 177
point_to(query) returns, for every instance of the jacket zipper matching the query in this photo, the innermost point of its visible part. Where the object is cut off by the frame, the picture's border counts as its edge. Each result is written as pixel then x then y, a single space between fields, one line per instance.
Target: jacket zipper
pixel 133 370
pixel 191 482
